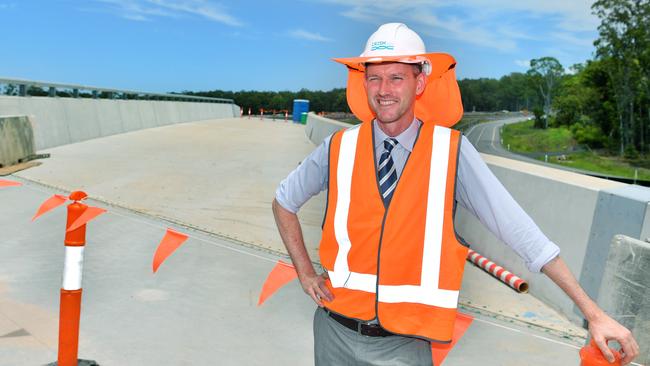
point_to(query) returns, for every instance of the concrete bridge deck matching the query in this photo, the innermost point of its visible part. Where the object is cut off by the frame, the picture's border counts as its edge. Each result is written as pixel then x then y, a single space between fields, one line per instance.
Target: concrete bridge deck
pixel 213 180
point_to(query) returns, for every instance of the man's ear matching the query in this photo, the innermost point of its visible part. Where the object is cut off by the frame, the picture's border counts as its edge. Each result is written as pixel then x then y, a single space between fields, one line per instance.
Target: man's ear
pixel 421 83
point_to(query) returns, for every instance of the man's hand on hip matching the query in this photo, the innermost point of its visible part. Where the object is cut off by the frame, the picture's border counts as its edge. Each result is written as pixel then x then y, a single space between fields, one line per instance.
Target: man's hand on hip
pixel 314 286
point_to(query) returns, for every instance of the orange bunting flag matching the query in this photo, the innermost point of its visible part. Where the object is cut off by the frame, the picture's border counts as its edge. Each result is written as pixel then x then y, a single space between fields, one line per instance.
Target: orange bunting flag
pixel 88 214
pixel 9 183
pixel 440 351
pixel 280 275
pixel 170 242
pixel 50 204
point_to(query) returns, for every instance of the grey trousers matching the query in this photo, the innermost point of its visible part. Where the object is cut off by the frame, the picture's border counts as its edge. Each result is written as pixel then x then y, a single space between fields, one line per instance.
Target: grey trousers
pixel 336 345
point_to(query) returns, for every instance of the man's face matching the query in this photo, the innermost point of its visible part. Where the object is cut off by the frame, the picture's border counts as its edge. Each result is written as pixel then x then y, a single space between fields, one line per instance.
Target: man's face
pixel 391 89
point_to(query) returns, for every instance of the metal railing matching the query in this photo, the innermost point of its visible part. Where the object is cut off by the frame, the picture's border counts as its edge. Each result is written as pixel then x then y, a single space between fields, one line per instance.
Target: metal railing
pixel 23 88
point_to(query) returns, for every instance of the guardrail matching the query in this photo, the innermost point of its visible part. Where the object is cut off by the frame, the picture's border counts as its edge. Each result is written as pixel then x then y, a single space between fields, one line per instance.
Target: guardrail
pixel 23 88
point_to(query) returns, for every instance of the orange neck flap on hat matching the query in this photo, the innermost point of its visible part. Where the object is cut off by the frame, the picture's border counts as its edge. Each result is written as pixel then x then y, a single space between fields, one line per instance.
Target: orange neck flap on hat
pixel 440 103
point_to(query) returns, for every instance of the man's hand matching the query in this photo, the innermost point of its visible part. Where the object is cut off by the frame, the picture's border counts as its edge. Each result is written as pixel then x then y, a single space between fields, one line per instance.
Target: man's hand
pixel 314 286
pixel 603 328
pixel 291 233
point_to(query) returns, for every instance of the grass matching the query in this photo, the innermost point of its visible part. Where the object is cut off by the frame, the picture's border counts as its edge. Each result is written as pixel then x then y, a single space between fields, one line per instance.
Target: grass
pixel 523 138
pixel 609 165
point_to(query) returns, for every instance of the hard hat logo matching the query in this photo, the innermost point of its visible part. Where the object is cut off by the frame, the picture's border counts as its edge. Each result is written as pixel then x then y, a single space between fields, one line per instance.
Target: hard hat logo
pixel 381 45
pixel 440 102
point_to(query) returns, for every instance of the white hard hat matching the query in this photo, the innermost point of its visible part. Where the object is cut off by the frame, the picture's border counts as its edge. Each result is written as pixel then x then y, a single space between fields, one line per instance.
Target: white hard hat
pixel 395 40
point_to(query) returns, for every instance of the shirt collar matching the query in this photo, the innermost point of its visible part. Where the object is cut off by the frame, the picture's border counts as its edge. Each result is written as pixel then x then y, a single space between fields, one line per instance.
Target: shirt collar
pixel 406 138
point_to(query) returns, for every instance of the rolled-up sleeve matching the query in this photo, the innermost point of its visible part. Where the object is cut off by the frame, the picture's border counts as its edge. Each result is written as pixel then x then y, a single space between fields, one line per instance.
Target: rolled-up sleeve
pixel 307 180
pixel 480 192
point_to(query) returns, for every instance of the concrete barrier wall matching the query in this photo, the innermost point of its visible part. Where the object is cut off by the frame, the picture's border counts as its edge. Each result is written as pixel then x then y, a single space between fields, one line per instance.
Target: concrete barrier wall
pixel 60 121
pixel 16 139
pixel 579 213
pixel 317 127
pixel 625 289
pixel 561 203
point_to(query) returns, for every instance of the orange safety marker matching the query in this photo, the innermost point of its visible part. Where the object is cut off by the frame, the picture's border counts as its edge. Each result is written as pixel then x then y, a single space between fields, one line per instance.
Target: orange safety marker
pixel 70 308
pixel 439 351
pixel 75 240
pixel 89 214
pixel 50 204
pixel 169 243
pixel 279 276
pixel 9 183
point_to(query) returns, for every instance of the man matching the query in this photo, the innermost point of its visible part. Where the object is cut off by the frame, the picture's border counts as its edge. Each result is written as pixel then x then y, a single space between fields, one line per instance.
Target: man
pixel 392 257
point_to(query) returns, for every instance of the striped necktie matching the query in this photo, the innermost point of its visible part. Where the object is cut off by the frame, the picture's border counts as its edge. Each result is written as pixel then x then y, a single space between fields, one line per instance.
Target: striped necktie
pixel 386 171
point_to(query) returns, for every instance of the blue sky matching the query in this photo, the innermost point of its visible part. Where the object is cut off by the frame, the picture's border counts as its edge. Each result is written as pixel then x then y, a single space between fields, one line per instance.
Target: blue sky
pixel 175 45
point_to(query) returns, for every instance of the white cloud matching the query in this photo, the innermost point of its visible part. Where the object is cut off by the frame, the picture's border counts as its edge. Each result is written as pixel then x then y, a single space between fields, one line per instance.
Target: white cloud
pixel 309 36
pixel 569 15
pixel 145 10
pixel 496 24
pixel 572 39
pixel 523 63
pixel 456 28
pixel 136 17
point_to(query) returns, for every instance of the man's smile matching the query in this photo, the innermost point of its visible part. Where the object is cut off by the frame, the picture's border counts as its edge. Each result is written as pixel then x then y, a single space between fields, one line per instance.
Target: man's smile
pixel 386 102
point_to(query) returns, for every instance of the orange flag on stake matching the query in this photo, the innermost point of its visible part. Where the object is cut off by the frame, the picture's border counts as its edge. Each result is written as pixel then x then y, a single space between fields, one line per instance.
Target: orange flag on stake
pixel 440 351
pixel 280 275
pixel 169 243
pixel 89 214
pixel 50 204
pixel 9 183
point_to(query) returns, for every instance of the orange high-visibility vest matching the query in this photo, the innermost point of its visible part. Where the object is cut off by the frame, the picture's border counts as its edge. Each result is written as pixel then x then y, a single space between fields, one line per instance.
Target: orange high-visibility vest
pixel 403 265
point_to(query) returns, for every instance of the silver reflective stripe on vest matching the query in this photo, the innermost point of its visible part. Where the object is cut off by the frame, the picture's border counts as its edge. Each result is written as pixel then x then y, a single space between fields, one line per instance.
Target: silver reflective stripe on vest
pixel 341 275
pixel 427 292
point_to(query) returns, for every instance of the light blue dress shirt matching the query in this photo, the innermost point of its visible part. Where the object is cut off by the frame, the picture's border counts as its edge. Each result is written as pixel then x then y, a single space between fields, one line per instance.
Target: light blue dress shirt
pixel 477 190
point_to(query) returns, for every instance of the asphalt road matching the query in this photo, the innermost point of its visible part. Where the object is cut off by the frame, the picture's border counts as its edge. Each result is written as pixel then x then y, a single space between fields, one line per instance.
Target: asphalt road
pixel 486 137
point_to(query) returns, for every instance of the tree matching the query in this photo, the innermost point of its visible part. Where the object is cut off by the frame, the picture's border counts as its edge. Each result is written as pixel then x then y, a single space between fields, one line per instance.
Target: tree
pixel 622 44
pixel 546 73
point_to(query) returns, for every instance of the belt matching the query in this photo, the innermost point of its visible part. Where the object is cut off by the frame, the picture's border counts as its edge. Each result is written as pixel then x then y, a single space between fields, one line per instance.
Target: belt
pixel 370 330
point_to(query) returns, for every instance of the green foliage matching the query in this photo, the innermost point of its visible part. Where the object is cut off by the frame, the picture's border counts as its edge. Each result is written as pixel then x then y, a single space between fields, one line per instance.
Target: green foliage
pixel 586 133
pixel 546 73
pixel 631 153
pixel 319 101
pixel 512 92
pixel 623 46
pixel 539 117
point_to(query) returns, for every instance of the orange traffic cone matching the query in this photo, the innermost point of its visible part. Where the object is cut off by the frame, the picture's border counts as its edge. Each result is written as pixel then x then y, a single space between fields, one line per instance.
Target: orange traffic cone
pixel 590 355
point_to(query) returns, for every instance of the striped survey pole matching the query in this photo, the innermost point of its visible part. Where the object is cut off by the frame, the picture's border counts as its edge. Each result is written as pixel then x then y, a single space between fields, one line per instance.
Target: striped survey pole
pixel 70 308
pixel 497 271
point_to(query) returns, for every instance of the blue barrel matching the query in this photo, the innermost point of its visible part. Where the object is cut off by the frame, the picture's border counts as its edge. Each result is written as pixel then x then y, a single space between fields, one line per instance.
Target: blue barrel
pixel 299 106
